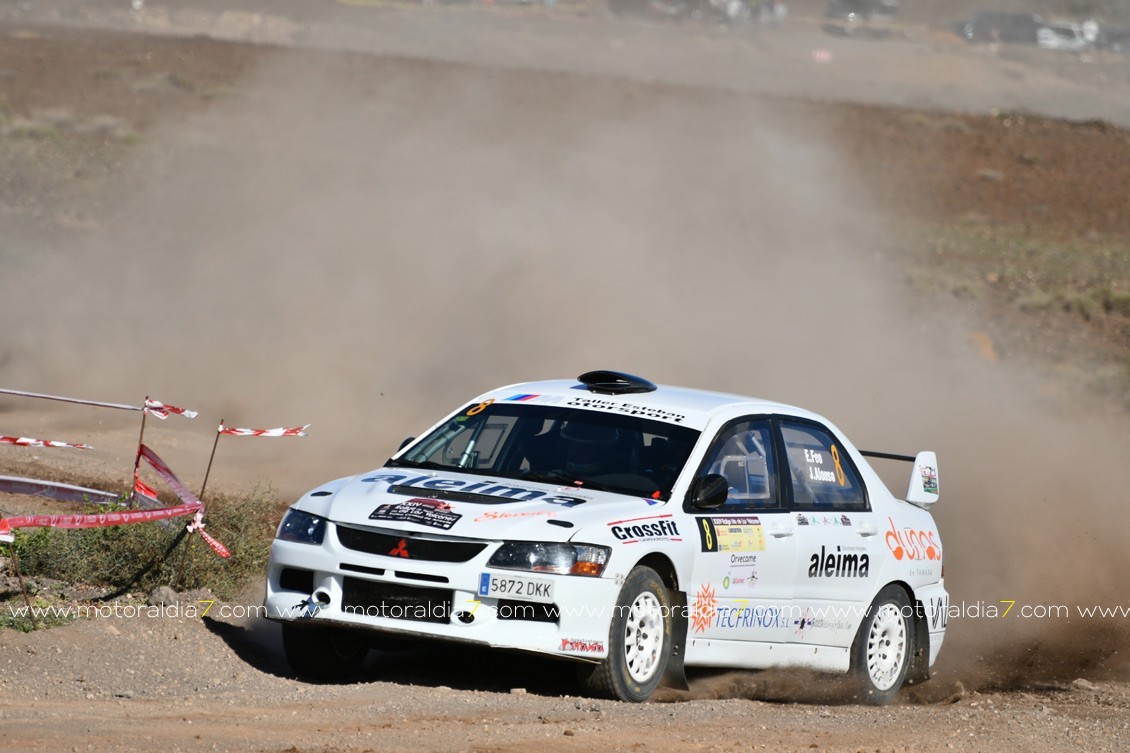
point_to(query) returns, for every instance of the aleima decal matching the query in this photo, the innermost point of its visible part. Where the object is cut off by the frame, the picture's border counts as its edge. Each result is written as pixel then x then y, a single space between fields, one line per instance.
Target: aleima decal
pixel 839 564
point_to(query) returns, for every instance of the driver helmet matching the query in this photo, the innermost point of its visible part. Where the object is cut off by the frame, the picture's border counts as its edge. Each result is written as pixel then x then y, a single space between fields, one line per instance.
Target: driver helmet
pixel 588 447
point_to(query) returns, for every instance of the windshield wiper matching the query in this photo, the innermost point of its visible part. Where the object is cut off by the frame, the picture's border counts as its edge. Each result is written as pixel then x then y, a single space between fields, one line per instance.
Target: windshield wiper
pixel 550 477
pixel 426 464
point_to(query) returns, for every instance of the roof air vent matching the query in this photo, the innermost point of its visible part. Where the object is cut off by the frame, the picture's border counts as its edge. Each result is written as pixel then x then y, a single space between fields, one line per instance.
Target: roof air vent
pixel 614 383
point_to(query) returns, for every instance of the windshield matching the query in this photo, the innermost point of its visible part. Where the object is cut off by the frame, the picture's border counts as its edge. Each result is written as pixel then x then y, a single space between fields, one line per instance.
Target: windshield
pixel 566 446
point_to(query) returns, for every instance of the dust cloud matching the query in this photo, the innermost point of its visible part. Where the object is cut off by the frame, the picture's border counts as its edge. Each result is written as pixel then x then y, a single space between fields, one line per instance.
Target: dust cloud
pixel 363 244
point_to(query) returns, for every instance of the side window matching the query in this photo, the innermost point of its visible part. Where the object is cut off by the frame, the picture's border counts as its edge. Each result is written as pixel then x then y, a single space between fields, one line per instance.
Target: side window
pixel 822 476
pixel 743 454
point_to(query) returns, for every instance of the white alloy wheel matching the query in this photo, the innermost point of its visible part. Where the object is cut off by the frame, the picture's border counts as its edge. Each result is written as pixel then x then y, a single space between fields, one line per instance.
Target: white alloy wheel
pixel 884 646
pixel 639 641
pixel 643 637
pixel 887 647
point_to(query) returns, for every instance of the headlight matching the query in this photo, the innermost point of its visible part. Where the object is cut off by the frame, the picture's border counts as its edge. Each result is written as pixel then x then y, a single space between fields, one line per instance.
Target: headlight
pixel 302 527
pixel 561 559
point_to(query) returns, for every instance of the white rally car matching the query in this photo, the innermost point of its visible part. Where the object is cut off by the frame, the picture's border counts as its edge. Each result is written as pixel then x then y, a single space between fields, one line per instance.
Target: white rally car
pixel 633 528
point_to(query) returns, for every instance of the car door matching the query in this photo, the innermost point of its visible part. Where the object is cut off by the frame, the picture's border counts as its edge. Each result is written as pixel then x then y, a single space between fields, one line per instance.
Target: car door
pixel 742 574
pixel 836 533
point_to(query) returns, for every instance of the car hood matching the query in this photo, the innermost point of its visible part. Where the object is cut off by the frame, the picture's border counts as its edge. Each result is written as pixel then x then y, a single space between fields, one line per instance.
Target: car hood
pixel 465 505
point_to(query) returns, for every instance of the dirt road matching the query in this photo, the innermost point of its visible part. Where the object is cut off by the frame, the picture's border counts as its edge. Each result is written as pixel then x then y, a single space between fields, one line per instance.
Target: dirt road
pixel 191 684
pixel 275 236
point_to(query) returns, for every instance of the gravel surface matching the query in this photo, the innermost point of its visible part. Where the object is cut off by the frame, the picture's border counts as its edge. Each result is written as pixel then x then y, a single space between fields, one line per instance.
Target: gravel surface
pixel 180 682
pixel 116 143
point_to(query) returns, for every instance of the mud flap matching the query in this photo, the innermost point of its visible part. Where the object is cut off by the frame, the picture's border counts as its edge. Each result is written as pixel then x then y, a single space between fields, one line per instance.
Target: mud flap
pixel 675 676
pixel 919 670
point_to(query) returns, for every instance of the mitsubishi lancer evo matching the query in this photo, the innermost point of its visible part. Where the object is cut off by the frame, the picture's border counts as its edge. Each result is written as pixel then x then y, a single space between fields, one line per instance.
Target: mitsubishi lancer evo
pixel 633 529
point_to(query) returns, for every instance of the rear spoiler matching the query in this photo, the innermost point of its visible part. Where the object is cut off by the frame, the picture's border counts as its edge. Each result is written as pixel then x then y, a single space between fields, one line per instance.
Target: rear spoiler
pixel 923 488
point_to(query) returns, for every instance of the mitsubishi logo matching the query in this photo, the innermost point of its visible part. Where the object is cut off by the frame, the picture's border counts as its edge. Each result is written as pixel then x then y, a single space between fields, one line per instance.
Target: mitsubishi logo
pixel 401 549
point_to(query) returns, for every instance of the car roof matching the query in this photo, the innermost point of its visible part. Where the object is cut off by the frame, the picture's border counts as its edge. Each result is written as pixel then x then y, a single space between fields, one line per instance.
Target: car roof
pixel 693 407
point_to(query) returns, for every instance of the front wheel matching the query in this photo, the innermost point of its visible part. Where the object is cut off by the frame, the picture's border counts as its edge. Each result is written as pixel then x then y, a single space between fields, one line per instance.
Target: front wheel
pixel 884 646
pixel 639 641
pixel 323 654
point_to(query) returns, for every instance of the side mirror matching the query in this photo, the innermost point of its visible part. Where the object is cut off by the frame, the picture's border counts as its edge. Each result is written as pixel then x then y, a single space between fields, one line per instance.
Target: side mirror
pixel 709 492
pixel 405 443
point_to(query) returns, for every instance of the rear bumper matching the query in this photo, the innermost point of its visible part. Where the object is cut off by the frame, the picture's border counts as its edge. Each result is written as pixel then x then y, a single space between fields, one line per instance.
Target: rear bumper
pixel 935 603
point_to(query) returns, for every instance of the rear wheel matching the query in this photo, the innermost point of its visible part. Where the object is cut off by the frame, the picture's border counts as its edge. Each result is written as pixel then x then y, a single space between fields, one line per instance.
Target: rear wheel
pixel 639 641
pixel 884 645
pixel 322 653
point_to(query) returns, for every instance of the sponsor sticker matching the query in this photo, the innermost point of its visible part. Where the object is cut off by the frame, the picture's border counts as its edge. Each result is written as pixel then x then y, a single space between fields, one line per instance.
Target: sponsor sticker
pixel 839 564
pixel 731 534
pixel 824 520
pixel 630 409
pixel 910 544
pixel 929 479
pixel 651 528
pixel 574 645
pixel 424 512
pixel 503 515
pixel 496 586
pixel 742 574
pixel 507 492
pixel 937 611
pixel 704 608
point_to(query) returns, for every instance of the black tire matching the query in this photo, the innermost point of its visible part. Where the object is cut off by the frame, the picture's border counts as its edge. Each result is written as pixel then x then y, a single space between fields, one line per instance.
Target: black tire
pixel 884 646
pixel 323 654
pixel 639 642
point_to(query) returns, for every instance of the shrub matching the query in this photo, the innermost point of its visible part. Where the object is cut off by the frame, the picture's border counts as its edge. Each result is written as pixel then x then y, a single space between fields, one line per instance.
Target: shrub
pixel 145 555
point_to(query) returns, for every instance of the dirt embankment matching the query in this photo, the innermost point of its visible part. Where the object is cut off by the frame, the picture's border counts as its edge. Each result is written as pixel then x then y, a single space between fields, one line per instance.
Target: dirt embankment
pixel 328 234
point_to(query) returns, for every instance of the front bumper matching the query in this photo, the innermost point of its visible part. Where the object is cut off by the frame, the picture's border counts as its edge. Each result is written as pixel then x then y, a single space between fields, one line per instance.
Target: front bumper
pixel 428 598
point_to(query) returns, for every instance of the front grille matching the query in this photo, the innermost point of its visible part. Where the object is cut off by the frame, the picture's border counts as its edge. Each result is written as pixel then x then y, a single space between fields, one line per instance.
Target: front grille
pixel 395 601
pixel 408 547
pixel 527 611
pixel 362 569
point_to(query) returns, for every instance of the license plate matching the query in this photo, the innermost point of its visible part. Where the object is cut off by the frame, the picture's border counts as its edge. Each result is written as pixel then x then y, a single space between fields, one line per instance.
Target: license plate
pixel 519 589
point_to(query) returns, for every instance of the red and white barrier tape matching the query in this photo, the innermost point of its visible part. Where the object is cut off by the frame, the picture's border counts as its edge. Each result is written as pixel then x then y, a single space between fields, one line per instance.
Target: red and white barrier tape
pixel 29 442
pixel 168 476
pixel 297 431
pixel 162 410
pixel 142 492
pixel 99 520
pixel 185 495
pixel 197 525
pixel 191 506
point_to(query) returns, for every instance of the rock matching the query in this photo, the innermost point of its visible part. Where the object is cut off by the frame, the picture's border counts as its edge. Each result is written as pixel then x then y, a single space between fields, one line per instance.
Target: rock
pixel 1082 684
pixel 162 596
pixel 517 691
pixel 992 176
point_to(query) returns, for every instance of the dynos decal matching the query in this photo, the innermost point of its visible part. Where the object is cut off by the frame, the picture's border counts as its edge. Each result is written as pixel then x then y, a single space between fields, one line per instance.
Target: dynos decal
pixel 910 544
